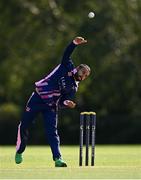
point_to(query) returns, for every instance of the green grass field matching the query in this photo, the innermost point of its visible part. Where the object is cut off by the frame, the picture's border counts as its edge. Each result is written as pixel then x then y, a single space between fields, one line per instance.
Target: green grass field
pixel 112 162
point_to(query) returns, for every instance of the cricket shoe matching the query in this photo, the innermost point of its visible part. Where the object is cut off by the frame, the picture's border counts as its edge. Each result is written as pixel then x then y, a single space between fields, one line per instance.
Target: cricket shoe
pixel 18 158
pixel 60 163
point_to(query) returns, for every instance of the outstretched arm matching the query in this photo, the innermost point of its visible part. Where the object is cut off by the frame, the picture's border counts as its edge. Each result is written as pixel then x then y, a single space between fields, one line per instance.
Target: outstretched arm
pixel 68 51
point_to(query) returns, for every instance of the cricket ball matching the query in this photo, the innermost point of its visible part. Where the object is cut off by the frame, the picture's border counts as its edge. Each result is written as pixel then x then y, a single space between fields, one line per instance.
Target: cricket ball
pixel 91 15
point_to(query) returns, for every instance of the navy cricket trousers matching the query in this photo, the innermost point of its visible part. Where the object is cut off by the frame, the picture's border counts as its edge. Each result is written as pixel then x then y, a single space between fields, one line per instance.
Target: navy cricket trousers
pixel 34 106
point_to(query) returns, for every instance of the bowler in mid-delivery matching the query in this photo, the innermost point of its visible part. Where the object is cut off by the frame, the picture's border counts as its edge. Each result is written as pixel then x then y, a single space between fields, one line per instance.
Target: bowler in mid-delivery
pixel 51 93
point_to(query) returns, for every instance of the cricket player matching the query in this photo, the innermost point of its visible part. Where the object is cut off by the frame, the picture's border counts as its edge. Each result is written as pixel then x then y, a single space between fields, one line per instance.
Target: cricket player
pixel 52 93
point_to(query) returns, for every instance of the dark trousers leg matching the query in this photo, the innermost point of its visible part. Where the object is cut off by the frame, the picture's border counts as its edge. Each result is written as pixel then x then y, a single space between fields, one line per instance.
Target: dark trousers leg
pixel 26 121
pixel 50 119
pixel 23 131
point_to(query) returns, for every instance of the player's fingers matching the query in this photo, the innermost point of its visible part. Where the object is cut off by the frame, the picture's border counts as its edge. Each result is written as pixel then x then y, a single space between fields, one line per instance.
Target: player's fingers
pixel 72 104
pixel 84 41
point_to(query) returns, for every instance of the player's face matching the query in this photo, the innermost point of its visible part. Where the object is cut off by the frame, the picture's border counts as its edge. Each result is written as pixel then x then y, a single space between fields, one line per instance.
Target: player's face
pixel 82 74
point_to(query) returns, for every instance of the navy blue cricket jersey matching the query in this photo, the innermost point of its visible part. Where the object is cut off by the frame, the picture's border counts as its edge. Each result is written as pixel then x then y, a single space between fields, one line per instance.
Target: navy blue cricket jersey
pixel 60 84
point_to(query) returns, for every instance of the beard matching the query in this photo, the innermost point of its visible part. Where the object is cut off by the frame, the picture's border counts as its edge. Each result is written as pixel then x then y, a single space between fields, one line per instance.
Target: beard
pixel 77 76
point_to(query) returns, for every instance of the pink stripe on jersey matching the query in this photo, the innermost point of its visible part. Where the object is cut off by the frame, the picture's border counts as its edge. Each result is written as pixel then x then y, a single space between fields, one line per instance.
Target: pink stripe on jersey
pixel 49 92
pixel 52 72
pixel 50 95
pixel 43 82
pixel 18 138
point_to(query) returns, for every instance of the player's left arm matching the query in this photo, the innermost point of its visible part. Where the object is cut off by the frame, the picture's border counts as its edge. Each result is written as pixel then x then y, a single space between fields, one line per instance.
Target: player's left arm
pixel 66 101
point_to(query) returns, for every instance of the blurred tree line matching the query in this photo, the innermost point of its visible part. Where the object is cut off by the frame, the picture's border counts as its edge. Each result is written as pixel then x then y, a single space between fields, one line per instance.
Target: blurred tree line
pixel 33 35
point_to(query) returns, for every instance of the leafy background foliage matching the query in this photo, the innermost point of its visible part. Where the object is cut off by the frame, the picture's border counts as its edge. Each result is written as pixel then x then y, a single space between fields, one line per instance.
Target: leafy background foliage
pixel 33 35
